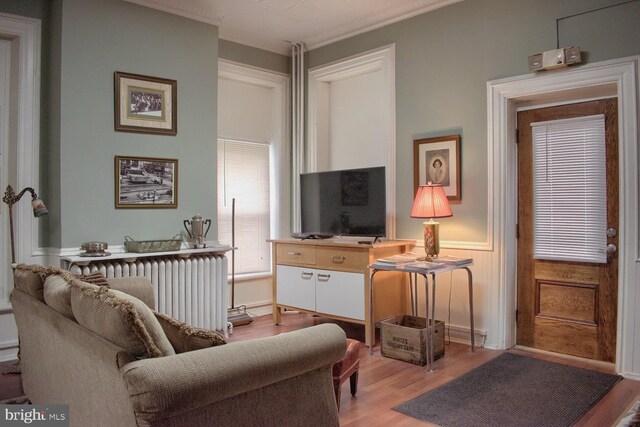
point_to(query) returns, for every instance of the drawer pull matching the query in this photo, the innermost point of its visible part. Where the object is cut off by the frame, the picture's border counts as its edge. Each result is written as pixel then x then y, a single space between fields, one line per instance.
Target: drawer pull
pixel 324 277
pixel 294 254
pixel 306 275
pixel 338 259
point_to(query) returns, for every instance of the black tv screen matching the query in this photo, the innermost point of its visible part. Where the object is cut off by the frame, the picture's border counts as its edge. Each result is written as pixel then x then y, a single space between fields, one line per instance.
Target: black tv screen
pixel 344 203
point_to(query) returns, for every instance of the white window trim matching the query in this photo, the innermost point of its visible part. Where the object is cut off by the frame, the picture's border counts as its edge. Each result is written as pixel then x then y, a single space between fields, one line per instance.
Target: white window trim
pixel 280 147
pixel 502 97
pixel 382 59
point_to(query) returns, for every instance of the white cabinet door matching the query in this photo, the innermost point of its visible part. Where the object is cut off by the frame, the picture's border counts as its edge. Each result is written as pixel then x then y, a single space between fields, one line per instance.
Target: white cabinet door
pixel 340 293
pixel 296 287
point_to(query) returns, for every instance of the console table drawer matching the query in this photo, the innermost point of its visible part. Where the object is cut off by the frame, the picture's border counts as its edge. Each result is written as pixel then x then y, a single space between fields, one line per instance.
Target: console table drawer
pixel 295 254
pixel 341 258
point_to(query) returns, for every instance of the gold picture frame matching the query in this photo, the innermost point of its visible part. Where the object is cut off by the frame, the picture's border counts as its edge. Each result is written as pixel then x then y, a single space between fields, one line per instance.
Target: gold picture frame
pixel 146 183
pixel 438 160
pixel 145 104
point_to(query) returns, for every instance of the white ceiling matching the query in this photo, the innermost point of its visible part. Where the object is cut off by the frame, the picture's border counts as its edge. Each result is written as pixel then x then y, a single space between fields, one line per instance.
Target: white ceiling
pixel 275 24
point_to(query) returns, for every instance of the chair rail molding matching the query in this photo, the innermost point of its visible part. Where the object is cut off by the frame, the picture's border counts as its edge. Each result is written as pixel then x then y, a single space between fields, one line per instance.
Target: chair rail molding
pixel 502 98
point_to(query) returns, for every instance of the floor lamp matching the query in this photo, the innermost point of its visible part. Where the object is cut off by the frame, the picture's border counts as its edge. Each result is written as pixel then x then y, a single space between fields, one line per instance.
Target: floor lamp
pixel 10 198
pixel 39 209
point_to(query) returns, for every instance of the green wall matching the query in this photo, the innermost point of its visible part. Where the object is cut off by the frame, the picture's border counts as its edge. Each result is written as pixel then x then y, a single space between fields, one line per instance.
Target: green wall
pixel 83 43
pixel 255 57
pixel 99 37
pixel 444 59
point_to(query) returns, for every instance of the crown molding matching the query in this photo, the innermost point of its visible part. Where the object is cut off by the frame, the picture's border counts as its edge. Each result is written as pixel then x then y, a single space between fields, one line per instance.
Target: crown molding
pixel 205 12
pixel 375 21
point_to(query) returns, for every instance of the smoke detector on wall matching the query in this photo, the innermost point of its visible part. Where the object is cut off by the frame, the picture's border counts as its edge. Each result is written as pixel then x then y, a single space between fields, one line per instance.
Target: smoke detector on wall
pixel 554 58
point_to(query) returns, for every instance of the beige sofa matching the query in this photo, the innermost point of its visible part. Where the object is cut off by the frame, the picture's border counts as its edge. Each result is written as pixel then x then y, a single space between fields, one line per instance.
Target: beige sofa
pixel 283 380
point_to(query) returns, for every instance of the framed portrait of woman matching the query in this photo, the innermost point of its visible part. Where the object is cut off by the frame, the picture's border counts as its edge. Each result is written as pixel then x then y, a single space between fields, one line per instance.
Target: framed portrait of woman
pixel 437 160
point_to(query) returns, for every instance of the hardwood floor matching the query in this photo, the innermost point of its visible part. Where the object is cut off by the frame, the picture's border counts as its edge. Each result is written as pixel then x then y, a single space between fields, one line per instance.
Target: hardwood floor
pixel 385 383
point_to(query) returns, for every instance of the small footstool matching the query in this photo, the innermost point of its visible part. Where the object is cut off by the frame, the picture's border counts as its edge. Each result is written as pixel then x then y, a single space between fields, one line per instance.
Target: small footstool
pixel 347 368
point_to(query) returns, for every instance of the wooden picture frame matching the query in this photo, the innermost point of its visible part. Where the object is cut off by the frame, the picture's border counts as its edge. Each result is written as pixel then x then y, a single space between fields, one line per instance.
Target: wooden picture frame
pixel 146 183
pixel 145 104
pixel 438 160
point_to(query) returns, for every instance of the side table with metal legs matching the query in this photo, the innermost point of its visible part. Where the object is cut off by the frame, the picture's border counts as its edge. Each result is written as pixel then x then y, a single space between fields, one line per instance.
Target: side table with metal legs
pixel 429 308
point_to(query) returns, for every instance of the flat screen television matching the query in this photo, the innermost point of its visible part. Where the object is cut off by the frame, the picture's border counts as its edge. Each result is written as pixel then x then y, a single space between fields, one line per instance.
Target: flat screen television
pixel 344 203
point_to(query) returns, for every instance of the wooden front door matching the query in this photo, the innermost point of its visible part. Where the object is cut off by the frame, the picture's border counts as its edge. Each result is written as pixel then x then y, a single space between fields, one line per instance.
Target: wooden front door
pixel 567 306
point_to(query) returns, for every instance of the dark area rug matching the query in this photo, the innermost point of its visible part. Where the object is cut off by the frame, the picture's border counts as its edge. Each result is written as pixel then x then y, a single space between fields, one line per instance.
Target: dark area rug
pixel 513 390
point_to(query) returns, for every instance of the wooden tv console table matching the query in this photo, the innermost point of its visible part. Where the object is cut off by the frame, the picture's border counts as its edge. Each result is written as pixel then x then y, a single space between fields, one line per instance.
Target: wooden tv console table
pixel 331 278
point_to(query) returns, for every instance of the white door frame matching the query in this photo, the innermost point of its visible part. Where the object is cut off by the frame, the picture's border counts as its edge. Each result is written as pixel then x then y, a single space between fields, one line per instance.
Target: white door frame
pixel 502 98
pixel 24 35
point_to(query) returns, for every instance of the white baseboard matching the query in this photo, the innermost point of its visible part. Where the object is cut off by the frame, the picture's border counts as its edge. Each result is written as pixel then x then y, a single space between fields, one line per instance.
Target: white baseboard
pixel 631 375
pixel 461 334
pixel 259 308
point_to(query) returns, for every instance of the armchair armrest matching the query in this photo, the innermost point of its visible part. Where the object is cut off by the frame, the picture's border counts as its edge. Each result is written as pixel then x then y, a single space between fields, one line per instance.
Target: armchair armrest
pixel 167 386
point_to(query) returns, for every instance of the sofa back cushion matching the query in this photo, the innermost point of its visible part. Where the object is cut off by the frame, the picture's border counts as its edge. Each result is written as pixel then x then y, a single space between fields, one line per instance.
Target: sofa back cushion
pixel 57 295
pixel 120 318
pixel 140 287
pixel 30 278
pixel 57 290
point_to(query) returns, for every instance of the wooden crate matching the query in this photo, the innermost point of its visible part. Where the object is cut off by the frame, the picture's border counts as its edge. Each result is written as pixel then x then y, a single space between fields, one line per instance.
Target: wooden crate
pixel 405 338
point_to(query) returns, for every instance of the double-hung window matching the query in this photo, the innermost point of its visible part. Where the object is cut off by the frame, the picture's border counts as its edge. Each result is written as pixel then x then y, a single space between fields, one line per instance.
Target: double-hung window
pixel 252 163
pixel 244 176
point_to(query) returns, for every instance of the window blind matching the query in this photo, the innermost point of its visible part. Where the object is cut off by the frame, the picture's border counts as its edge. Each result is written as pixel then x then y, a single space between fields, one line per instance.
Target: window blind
pixel 569 173
pixel 243 174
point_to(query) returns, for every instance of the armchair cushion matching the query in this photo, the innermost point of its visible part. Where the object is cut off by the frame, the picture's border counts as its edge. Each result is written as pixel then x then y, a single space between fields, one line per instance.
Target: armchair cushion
pixel 184 337
pixel 120 318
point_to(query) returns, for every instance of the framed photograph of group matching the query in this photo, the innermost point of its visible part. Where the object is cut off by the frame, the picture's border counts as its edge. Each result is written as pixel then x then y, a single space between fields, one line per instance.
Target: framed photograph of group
pixel 145 182
pixel 437 160
pixel 145 104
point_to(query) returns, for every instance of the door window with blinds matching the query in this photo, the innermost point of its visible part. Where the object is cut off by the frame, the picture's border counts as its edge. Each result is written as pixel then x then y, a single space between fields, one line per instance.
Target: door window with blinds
pixel 570 209
pixel 243 175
